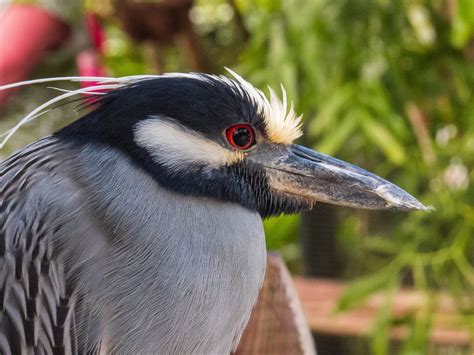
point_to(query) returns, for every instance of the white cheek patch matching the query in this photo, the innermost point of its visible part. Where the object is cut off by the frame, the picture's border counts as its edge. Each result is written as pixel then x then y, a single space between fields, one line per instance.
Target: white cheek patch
pixel 178 148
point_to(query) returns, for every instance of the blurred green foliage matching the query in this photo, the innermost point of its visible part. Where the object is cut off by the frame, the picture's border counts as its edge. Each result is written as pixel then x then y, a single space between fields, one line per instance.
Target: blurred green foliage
pixel 389 86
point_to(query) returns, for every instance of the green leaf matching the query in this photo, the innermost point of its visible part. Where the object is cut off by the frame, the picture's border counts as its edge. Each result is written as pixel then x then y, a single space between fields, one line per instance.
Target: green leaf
pixel 383 322
pixel 382 138
pixel 381 245
pixel 333 141
pixel 329 112
pixel 417 343
pixel 281 231
pixel 359 290
pixel 462 23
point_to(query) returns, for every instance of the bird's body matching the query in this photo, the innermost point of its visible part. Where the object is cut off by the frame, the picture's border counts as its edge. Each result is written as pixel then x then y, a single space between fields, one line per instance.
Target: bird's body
pixel 137 229
pixel 166 258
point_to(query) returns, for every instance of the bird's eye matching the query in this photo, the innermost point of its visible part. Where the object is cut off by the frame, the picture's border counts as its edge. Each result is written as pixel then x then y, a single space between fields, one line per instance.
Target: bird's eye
pixel 240 136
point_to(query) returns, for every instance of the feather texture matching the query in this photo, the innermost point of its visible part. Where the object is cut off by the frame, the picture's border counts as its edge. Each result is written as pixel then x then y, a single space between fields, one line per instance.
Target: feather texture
pixel 96 256
pixel 36 305
pixel 282 124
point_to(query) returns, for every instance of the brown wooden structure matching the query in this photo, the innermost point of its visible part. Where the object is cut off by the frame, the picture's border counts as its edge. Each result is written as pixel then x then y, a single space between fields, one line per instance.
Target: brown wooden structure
pixel 288 310
pixel 277 324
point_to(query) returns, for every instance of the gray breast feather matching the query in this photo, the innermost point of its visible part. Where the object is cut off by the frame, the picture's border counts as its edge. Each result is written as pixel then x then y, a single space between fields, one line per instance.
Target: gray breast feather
pixel 128 266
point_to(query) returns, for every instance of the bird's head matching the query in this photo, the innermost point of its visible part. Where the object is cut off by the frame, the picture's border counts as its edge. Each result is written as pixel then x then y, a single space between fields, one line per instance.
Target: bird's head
pixel 220 138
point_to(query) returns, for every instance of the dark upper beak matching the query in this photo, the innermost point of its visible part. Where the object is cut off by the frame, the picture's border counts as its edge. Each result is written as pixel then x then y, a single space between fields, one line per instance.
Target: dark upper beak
pixel 301 171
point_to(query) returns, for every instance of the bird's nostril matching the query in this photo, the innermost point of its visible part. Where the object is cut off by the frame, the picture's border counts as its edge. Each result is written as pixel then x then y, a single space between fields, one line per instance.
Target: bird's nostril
pixel 306 156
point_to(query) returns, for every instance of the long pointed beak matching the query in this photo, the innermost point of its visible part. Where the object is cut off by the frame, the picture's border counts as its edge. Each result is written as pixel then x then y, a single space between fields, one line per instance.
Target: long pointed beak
pixel 297 170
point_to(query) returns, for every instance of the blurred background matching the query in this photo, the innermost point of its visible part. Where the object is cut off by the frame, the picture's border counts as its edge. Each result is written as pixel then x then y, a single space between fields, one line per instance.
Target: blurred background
pixel 385 84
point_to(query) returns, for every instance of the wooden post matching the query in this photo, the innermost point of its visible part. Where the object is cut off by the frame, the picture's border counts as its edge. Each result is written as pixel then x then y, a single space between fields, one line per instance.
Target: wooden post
pixel 277 324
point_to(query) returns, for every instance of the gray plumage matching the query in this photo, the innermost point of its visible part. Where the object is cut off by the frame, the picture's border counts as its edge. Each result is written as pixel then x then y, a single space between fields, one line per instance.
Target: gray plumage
pixel 167 266
pixel 137 229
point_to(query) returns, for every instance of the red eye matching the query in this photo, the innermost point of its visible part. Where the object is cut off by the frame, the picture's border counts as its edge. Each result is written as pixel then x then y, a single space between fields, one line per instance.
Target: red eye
pixel 240 136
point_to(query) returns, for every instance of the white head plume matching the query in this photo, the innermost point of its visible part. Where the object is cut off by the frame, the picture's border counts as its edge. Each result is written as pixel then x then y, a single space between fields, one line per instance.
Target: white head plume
pixel 281 123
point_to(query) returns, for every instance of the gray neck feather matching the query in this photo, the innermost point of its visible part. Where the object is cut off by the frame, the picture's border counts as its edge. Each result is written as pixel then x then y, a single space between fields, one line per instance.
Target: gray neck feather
pixel 177 274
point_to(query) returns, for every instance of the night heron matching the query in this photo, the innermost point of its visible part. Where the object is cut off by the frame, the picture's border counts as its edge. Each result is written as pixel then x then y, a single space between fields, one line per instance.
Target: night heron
pixel 137 228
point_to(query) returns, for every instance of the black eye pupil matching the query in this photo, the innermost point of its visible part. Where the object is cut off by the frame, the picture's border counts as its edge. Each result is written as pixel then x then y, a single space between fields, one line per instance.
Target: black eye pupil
pixel 241 137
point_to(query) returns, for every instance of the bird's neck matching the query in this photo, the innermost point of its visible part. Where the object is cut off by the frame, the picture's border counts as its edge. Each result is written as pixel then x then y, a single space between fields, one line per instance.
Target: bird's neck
pixel 180 267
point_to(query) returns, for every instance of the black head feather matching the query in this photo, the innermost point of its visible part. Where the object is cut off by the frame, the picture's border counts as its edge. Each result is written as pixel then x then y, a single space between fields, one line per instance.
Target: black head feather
pixel 204 103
